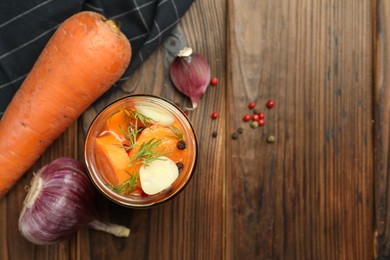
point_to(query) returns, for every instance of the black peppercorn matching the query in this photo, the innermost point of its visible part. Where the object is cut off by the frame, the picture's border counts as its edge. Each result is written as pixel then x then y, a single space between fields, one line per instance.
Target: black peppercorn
pixel 235 135
pixel 214 134
pixel 240 130
pixel 180 166
pixel 181 145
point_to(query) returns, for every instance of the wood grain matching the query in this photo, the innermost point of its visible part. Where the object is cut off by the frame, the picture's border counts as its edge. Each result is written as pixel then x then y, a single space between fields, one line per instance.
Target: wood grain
pixel 309 195
pixel 382 130
pixel 191 225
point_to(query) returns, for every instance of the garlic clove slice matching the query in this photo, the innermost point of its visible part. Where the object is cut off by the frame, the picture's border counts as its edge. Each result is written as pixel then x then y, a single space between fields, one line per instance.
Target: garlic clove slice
pixel 157 115
pixel 158 176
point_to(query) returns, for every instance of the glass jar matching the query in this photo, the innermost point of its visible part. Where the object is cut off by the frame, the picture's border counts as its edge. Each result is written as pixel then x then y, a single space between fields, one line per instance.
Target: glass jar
pixel 98 174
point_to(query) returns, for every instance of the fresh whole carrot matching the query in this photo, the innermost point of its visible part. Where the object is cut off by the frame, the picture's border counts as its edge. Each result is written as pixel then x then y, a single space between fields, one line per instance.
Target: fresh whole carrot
pixel 86 55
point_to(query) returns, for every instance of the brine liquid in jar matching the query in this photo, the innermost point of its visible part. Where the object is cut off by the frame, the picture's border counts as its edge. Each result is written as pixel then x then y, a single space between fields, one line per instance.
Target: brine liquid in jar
pixel 141 150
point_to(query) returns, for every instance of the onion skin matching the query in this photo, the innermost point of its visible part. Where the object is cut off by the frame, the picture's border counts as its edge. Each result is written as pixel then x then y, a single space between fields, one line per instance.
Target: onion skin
pixel 60 201
pixel 191 75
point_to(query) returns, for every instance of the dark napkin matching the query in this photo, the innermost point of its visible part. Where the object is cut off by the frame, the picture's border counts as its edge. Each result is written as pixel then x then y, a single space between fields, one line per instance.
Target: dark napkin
pixel 26 26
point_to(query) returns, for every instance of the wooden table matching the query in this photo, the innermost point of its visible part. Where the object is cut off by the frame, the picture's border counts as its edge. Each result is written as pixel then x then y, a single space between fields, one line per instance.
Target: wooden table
pixel 321 191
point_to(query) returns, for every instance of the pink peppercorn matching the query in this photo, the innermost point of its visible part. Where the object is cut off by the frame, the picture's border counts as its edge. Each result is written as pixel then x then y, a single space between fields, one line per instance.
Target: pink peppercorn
pixel 247 117
pixel 214 115
pixel 261 122
pixel 214 81
pixel 261 116
pixel 270 104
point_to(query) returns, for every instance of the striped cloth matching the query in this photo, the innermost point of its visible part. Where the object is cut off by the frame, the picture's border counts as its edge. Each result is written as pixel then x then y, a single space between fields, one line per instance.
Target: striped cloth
pixel 26 26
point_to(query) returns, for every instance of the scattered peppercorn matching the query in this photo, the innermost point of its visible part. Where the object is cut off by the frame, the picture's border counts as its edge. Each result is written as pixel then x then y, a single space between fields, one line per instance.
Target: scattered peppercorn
pixel 261 116
pixel 270 104
pixel 271 139
pixel 252 105
pixel 255 117
pixel 254 124
pixel 186 112
pixel 214 134
pixel 247 117
pixel 214 81
pixel 240 130
pixel 214 115
pixel 235 135
pixel 181 145
pixel 180 166
pixel 261 122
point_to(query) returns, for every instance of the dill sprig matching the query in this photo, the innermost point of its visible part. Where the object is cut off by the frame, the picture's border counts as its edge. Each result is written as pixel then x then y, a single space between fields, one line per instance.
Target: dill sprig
pixel 177 133
pixel 125 186
pixel 148 153
pixel 130 136
pixel 133 128
pixel 138 117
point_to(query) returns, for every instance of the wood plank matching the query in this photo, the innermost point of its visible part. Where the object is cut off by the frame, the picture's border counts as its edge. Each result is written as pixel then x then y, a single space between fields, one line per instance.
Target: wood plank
pixel 308 195
pixel 188 227
pixel 382 130
pixel 191 225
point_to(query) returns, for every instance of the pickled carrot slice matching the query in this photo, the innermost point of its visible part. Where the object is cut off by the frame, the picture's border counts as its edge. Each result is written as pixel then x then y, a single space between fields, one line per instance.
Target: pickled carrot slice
pixel 112 158
pixel 168 143
pixel 118 121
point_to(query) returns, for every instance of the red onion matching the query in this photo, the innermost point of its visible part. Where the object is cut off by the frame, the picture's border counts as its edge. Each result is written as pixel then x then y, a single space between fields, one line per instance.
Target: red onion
pixel 59 202
pixel 190 74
